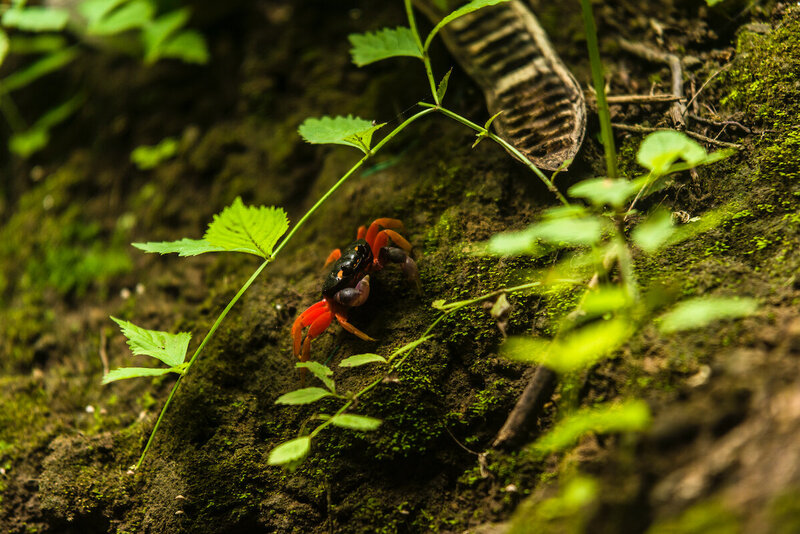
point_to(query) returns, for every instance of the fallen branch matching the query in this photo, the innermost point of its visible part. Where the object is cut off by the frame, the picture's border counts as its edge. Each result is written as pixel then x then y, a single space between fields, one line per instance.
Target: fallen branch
pixel 650 53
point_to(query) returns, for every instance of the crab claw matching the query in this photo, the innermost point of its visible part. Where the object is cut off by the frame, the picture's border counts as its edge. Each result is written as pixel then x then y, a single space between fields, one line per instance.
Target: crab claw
pixel 317 318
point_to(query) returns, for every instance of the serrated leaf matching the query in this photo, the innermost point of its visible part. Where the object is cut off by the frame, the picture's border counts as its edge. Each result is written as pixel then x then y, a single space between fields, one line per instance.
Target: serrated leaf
pixel 303 396
pixel 654 232
pixel 441 90
pixel 250 229
pixel 290 451
pixel 129 16
pixel 350 131
pixel 475 5
pixel 155 33
pixel 629 416
pixel 602 191
pixel 356 422
pixel 361 359
pixel 700 312
pixel 183 247
pixel 188 46
pixel 382 44
pixel 37 69
pixel 660 150
pixel 134 372
pixel 169 348
pixel 323 372
pixel 36 19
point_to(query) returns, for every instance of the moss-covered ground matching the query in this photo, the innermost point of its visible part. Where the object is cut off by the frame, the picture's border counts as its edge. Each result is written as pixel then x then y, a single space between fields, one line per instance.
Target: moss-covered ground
pixel 720 456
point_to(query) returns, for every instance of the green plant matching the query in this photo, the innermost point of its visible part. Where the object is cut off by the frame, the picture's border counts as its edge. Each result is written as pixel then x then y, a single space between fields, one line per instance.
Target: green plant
pixel 128 26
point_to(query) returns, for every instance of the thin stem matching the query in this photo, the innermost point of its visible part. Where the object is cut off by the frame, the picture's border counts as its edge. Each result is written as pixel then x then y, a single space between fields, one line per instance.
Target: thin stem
pixel 502 142
pixel 606 134
pixel 11 112
pixel 426 60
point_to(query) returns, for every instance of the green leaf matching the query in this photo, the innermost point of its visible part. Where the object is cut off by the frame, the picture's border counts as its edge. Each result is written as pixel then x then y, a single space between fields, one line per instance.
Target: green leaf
pixel 411 346
pixel 135 372
pixel 513 243
pixel 189 46
pixel 350 131
pixel 323 372
pixel 602 191
pixel 155 33
pixel 569 231
pixel 26 143
pixel 361 359
pixel 147 157
pixel 290 451
pixel 184 247
pixel 575 351
pixel 605 299
pixel 94 10
pixel 480 136
pixel 712 3
pixel 700 312
pixel 250 229
pixel 655 232
pixel 38 69
pixel 129 16
pixel 660 150
pixel 5 45
pixel 385 43
pixel 628 416
pixel 441 90
pixel 460 12
pixel 36 44
pixel 356 422
pixel 169 348
pixel 36 19
pixel 303 396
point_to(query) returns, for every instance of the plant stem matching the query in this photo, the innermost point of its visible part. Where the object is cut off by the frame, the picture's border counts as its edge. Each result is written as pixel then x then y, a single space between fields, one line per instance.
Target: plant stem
pixel 606 134
pixel 257 272
pixel 426 60
pixel 502 142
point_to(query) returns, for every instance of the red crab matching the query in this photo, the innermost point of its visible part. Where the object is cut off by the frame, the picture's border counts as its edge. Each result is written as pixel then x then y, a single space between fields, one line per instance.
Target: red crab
pixel 347 282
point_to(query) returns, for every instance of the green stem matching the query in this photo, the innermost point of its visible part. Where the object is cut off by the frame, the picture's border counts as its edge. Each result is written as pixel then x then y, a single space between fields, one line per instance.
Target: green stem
pixel 502 142
pixel 606 134
pixel 426 60
pixel 11 112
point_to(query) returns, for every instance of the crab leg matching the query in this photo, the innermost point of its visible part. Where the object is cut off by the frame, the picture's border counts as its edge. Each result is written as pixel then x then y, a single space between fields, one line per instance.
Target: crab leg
pixel 332 257
pixel 319 325
pixel 382 239
pixel 305 319
pixel 352 329
pixel 375 227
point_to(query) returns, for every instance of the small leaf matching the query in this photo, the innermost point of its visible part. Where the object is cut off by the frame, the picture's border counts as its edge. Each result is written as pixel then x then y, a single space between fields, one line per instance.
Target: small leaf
pixel 36 19
pixel 155 33
pixel 356 422
pixel 94 10
pixel 290 451
pixel 5 45
pixel 26 143
pixel 660 150
pixel 480 136
pixel 411 346
pixel 628 416
pixel 438 304
pixel 129 16
pixel 513 243
pixel 602 191
pixel 489 122
pixel 655 232
pixel 361 359
pixel 323 372
pixel 604 299
pixel 460 12
pixel 184 247
pixel 188 46
pixel 169 348
pixel 250 229
pixel 36 44
pixel 350 131
pixel 700 312
pixel 568 231
pixel 385 43
pixel 441 90
pixel 135 372
pixel 147 157
pixel 38 69
pixel 303 396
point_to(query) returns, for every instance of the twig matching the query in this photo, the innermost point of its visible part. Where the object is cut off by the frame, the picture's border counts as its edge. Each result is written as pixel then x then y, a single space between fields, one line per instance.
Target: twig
pixel 713 122
pixel 461 444
pixel 642 99
pixel 678 109
pixel 694 97
pixel 530 403
pixel 699 137
pixel 103 353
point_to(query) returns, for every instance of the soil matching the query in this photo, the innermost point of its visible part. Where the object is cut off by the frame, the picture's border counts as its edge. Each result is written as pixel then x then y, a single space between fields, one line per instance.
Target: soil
pixel 722 454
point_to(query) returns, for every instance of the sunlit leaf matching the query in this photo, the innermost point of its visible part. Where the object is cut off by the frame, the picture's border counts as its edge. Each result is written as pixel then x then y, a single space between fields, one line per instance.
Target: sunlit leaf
pixel 361 359
pixel 303 396
pixel 38 69
pixel 134 372
pixel 568 231
pixel 27 143
pixel 94 10
pixel 5 45
pixel 356 422
pixel 513 243
pixel 460 12
pixel 629 416
pixel 169 348
pixel 441 90
pixel 129 16
pixel 147 157
pixel 36 19
pixel 250 229
pixel 155 33
pixel 350 131
pixel 700 312
pixel 655 232
pixel 382 44
pixel 183 247
pixel 605 299
pixel 290 451
pixel 603 191
pixel 189 46
pixel 576 350
pixel 660 150
pixel 323 372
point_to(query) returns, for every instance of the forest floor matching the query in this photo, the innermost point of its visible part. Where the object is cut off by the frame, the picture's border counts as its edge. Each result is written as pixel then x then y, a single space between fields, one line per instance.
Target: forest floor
pixel 722 454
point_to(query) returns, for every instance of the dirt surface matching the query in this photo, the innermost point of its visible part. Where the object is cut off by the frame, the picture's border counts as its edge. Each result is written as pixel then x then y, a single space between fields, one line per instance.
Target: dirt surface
pixel 722 454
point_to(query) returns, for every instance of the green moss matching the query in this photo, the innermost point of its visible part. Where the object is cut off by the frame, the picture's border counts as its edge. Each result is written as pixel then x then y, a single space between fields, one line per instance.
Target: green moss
pixel 784 512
